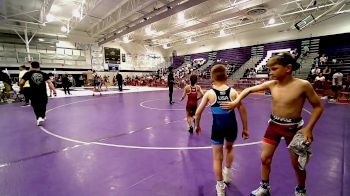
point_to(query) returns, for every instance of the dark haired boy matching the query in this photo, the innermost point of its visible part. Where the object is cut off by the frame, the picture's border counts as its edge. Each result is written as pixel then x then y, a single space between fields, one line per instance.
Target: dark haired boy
pixel 192 91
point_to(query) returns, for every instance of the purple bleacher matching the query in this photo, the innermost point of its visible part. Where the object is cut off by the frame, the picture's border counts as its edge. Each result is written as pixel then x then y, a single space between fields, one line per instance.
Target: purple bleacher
pixel 177 61
pixel 235 56
pixel 335 45
pixel 199 55
pixel 282 45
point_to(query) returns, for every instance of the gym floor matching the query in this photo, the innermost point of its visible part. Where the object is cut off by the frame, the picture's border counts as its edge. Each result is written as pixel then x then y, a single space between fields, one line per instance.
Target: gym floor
pixel 132 144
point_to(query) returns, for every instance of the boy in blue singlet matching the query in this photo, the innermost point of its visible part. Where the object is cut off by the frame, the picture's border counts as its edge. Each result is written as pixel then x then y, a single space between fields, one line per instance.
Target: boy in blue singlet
pixel 224 126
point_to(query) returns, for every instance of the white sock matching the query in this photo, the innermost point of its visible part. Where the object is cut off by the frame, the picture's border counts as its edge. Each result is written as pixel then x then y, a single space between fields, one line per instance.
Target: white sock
pixel 220 183
pixel 227 169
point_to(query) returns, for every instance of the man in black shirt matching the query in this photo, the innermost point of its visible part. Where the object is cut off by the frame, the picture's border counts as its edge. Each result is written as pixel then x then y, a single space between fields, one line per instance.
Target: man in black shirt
pixel 66 84
pixel 37 87
pixel 119 78
pixel 171 82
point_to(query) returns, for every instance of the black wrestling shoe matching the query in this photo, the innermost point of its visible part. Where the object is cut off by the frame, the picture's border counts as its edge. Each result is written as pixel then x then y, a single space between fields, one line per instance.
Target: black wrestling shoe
pixel 190 130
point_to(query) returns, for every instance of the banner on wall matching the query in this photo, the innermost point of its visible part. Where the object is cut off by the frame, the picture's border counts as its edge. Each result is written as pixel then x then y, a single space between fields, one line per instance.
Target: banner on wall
pixel 113 67
pixel 97 58
pixel 123 58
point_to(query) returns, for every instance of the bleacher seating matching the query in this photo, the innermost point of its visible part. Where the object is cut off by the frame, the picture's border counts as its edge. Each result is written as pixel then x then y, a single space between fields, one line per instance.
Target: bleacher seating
pixel 199 55
pixel 269 55
pixel 177 61
pixel 276 47
pixel 342 64
pixel 281 45
pixel 336 47
pixel 235 57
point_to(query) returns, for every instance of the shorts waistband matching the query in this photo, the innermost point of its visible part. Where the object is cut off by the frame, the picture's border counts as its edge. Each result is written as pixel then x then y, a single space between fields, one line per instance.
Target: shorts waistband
pixel 282 120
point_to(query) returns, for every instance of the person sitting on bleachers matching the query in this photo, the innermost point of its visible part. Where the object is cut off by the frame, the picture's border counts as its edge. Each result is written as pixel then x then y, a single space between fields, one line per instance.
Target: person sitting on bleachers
pixel 323 59
pixel 316 61
pixel 319 81
pixel 334 61
pixel 246 73
pixel 252 73
pixel 327 73
pixel 314 72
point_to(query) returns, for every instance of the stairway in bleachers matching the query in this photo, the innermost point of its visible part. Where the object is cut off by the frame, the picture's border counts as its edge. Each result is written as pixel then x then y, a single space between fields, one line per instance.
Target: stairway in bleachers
pixel 257 51
pixel 249 64
pixel 306 65
pixel 211 60
pixel 187 59
pixel 307 61
pixel 212 56
pixel 313 44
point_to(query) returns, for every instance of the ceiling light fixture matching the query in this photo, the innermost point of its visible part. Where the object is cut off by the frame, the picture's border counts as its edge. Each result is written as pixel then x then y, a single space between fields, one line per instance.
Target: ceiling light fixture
pixel 64 29
pixel 76 13
pixel 189 41
pixel 126 39
pixel 148 30
pixel 50 18
pixel 222 33
pixel 272 21
pixel 181 18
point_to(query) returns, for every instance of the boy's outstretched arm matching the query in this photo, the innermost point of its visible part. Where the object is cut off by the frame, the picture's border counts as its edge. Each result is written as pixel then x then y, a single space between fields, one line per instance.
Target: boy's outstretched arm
pixel 199 112
pixel 314 100
pixel 246 92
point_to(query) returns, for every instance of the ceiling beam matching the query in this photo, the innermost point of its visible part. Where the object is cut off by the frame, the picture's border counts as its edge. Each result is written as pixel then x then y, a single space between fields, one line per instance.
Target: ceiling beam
pixel 87 7
pixel 289 13
pixel 163 1
pixel 126 10
pixel 170 12
pixel 150 14
pixel 45 9
pixel 5 19
pixel 22 13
